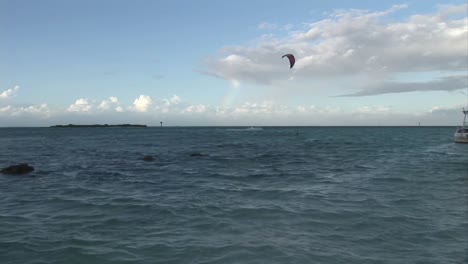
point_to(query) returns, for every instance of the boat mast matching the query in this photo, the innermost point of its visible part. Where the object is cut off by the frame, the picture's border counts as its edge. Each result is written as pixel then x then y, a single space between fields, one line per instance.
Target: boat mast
pixel 465 111
pixel 464 119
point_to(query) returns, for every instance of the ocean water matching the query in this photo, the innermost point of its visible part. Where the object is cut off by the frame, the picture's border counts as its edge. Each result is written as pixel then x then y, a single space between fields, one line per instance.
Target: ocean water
pixel 271 195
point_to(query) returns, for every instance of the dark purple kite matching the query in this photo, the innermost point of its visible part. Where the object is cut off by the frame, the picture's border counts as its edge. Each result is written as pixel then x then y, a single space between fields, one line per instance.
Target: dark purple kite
pixel 291 58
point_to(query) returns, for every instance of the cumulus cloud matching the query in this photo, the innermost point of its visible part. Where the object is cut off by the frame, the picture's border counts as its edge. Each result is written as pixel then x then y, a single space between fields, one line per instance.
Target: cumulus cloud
pixel 9 93
pixel 83 105
pixel 172 101
pixel 247 113
pixel 355 43
pixel 261 108
pixel 113 99
pixel 172 104
pixel 5 109
pixel 80 105
pixel 142 103
pixel 374 109
pixel 41 110
pixel 200 108
pixel 109 103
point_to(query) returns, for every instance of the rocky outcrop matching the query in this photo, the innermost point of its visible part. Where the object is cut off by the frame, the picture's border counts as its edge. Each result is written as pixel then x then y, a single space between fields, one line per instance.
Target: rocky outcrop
pixel 198 154
pixel 19 169
pixel 148 158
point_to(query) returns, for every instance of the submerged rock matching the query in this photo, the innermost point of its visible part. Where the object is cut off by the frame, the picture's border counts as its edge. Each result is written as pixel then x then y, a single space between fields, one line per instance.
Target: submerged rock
pixel 197 154
pixel 22 168
pixel 148 158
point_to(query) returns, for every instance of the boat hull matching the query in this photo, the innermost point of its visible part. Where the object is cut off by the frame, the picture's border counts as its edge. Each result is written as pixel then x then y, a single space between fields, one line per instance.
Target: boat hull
pixel 461 137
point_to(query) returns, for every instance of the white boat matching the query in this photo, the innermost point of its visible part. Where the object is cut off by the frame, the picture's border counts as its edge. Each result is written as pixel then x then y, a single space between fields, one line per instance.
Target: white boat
pixel 461 135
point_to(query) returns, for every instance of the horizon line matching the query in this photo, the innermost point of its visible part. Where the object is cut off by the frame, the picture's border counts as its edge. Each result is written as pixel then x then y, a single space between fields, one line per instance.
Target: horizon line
pixel 246 126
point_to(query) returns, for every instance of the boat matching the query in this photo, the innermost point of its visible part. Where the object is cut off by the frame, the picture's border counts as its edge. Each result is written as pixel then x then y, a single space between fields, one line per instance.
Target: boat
pixel 461 135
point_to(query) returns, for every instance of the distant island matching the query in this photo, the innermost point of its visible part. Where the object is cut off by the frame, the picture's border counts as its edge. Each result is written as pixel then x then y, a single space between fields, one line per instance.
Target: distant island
pixel 97 125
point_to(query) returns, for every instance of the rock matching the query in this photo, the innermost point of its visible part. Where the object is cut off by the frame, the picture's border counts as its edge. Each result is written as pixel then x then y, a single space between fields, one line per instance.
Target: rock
pixel 22 168
pixel 148 158
pixel 197 154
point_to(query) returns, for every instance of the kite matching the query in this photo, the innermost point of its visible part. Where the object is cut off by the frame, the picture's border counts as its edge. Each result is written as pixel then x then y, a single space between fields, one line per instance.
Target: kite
pixel 291 58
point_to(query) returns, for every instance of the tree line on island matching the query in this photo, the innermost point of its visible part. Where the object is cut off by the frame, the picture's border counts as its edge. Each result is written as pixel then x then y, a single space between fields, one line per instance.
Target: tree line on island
pixel 97 125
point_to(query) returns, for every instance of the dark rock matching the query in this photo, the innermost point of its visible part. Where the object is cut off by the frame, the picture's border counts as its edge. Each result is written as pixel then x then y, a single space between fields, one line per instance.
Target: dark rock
pixel 148 158
pixel 22 168
pixel 197 154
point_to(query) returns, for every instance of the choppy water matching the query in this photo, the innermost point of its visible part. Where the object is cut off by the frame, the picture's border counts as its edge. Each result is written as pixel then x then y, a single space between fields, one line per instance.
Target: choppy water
pixel 275 195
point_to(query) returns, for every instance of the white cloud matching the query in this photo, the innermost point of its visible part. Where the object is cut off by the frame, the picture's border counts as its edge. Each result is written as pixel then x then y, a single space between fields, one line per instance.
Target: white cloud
pixel 312 109
pixel 374 109
pixel 174 100
pixel 172 104
pixel 200 108
pixel 435 109
pixel 354 43
pixel 80 105
pixel 9 93
pixel 5 109
pixel 262 108
pixel 142 103
pixel 301 109
pixel 41 110
pixel 446 10
pixel 104 105
pixel 113 99
pixel 112 102
pixel 248 113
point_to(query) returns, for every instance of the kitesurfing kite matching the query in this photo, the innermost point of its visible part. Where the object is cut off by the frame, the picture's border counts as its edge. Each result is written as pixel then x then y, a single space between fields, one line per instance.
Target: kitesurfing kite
pixel 291 58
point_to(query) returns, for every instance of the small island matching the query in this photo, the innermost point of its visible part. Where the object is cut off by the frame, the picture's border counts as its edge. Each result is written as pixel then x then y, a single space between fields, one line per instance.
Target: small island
pixel 97 125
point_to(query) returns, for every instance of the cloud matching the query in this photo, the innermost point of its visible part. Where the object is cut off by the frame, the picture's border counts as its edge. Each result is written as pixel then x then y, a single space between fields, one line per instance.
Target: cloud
pixel 9 93
pixel 248 113
pixel 142 103
pixel 113 99
pixel 170 104
pixel 200 108
pixel 172 101
pixel 80 105
pixel 450 83
pixel 111 102
pixel 41 110
pixel 447 10
pixel 353 43
pixel 5 109
pixel 374 109
pixel 261 108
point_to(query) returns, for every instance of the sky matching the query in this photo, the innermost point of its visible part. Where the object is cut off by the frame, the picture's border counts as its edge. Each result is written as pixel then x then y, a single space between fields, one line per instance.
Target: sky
pixel 207 62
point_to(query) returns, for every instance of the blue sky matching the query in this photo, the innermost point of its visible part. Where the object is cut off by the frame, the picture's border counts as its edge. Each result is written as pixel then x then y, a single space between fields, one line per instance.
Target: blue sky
pixel 219 63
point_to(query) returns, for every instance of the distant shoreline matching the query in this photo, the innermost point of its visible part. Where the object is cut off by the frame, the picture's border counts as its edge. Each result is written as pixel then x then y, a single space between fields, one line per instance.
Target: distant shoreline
pixel 265 126
pixel 96 125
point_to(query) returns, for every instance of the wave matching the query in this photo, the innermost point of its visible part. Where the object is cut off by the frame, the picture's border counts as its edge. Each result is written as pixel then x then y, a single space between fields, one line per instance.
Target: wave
pixel 245 129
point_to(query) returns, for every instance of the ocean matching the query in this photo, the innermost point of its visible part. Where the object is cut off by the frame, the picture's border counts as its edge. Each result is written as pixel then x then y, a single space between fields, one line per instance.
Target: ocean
pixel 234 195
